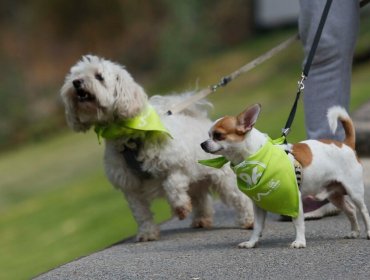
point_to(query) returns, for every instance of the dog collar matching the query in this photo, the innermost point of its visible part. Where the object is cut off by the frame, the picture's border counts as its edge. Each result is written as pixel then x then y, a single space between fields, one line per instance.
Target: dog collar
pixel 267 177
pixel 147 121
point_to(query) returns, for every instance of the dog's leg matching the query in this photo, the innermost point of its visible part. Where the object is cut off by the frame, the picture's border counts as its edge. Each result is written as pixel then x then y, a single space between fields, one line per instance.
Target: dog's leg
pixel 300 240
pixel 176 186
pixel 259 223
pixel 232 196
pixel 358 198
pixel 140 207
pixel 365 215
pixel 202 205
pixel 359 202
pixel 337 197
pixel 321 196
pixel 339 200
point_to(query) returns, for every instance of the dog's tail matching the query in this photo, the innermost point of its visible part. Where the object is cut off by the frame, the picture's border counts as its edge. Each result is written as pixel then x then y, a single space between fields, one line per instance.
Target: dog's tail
pixel 166 102
pixel 336 113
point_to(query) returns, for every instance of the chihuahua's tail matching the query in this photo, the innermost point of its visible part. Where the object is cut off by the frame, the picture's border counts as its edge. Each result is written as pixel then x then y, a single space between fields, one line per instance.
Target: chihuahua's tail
pixel 336 113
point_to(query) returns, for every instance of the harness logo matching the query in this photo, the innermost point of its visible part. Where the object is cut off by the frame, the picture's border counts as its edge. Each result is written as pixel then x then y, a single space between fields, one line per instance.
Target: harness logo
pixel 272 185
pixel 250 172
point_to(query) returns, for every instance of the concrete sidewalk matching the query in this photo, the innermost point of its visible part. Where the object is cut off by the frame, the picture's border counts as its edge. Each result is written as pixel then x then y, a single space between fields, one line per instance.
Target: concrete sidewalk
pixel 185 253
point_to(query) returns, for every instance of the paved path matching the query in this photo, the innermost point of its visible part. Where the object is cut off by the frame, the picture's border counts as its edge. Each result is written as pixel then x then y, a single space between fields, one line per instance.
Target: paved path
pixel 184 253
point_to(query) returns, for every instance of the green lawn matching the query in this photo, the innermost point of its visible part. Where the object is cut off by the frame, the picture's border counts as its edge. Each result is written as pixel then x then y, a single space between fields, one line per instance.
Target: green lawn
pixel 55 202
pixel 57 205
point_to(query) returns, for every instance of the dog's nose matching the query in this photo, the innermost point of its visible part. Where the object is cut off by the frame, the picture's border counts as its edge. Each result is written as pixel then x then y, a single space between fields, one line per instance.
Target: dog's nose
pixel 204 146
pixel 77 83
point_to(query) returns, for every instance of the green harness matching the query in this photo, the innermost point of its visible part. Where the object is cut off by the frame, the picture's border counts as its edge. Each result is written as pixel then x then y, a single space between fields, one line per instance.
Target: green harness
pixel 267 177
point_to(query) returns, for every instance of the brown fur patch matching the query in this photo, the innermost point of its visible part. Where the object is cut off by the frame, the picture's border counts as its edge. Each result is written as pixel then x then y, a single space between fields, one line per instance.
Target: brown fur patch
pixel 350 133
pixel 302 154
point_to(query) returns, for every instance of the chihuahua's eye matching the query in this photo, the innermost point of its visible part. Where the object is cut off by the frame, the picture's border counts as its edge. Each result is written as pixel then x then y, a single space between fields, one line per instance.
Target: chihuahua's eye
pixel 218 136
pixel 99 77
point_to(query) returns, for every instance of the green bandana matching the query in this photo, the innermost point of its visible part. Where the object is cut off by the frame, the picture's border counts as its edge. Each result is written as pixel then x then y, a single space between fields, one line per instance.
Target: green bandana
pixel 147 121
pixel 267 177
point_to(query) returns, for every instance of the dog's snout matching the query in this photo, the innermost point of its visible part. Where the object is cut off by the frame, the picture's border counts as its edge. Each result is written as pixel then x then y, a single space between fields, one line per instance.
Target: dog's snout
pixel 204 145
pixel 77 83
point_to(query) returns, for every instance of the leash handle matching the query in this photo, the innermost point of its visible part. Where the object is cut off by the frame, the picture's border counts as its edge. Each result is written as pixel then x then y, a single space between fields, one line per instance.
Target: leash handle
pixel 307 67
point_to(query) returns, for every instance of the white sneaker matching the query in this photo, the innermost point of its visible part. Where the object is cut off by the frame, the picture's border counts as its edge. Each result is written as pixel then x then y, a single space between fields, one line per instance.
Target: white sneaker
pixel 326 209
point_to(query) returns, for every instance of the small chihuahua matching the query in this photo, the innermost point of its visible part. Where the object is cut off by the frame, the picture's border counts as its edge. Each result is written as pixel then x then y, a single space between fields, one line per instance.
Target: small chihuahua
pixel 330 169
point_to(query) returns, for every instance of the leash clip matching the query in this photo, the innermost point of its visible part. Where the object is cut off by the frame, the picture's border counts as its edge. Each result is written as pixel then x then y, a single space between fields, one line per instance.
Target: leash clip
pixel 285 131
pixel 223 82
pixel 301 82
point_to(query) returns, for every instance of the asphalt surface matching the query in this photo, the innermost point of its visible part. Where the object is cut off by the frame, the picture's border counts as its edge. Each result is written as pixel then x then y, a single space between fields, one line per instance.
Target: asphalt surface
pixel 186 253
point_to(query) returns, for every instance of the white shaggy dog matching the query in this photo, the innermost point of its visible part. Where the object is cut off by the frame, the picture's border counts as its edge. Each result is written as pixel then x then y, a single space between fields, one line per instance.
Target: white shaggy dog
pixel 98 92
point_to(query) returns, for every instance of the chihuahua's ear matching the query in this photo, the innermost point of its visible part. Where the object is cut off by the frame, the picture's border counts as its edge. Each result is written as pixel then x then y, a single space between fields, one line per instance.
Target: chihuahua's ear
pixel 247 119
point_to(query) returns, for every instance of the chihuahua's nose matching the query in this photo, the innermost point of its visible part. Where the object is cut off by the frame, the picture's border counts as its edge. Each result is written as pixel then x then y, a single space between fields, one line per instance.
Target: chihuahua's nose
pixel 77 83
pixel 204 145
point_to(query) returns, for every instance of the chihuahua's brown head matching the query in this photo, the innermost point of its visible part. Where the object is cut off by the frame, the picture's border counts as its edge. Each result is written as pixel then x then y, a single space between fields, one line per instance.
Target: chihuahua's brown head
pixel 230 131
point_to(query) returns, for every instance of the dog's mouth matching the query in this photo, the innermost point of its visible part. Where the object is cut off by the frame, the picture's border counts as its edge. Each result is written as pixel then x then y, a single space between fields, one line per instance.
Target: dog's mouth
pixel 84 96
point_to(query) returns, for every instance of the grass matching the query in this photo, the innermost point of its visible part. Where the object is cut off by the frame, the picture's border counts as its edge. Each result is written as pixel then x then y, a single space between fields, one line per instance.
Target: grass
pixel 55 202
pixel 56 205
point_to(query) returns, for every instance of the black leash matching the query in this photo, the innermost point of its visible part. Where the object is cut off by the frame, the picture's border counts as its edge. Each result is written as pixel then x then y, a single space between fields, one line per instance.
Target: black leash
pixel 307 67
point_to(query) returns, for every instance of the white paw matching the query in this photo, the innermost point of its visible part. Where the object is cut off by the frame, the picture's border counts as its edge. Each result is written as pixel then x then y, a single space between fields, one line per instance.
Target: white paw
pixel 247 245
pixel 353 234
pixel 298 244
pixel 368 235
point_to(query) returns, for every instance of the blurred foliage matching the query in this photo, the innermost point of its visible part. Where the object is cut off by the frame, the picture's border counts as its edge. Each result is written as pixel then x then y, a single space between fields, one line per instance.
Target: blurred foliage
pixel 40 40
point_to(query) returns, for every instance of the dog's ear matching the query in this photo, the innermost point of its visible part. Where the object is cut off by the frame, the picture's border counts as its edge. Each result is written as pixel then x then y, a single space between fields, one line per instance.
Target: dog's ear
pixel 247 119
pixel 130 97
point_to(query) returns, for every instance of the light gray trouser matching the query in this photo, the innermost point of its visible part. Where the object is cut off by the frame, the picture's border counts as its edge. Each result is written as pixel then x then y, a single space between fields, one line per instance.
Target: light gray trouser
pixel 329 79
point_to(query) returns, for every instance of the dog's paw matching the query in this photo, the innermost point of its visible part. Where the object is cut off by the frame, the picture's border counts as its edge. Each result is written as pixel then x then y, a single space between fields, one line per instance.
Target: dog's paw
pixel 247 245
pixel 298 244
pixel 368 235
pixel 202 223
pixel 148 236
pixel 148 232
pixel 353 234
pixel 183 211
pixel 248 225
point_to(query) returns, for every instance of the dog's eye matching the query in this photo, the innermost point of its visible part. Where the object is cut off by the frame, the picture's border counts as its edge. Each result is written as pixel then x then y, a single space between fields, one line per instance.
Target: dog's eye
pixel 99 77
pixel 218 136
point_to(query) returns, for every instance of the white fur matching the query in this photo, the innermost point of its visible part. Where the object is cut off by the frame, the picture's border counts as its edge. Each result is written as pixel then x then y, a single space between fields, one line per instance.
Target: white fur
pixel 334 173
pixel 172 163
pixel 335 113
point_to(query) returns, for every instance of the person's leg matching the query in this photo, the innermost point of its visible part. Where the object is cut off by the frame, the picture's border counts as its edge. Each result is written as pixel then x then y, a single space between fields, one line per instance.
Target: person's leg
pixel 329 80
